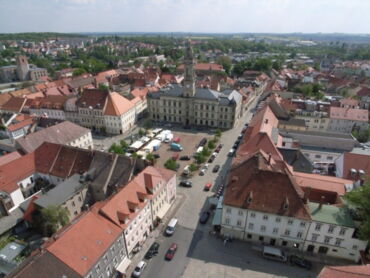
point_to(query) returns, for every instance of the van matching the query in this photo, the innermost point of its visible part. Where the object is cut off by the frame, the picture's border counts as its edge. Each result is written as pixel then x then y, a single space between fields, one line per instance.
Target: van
pixel 171 227
pixel 274 254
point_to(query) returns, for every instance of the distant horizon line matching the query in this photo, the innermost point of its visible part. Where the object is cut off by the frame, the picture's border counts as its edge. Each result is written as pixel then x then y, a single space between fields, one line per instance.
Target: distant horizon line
pixel 186 32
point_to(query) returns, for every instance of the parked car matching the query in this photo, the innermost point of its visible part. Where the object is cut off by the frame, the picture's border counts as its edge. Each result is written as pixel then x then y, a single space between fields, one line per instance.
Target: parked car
pixel 244 129
pixel 177 166
pixel 231 152
pixel 204 217
pixel 186 183
pixel 139 269
pixel 295 260
pixel 171 252
pixel 202 142
pixel 153 250
pixel 185 157
pixel 175 156
pixel 211 158
pixel 219 147
pixel 202 172
pixel 216 168
pixel 208 186
pixel 156 155
pixel 205 166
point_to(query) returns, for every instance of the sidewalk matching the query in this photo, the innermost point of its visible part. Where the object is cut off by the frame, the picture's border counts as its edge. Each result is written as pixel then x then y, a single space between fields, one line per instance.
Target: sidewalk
pixel 157 233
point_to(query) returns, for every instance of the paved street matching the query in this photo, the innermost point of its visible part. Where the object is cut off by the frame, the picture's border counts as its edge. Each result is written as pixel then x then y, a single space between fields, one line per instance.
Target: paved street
pixel 202 255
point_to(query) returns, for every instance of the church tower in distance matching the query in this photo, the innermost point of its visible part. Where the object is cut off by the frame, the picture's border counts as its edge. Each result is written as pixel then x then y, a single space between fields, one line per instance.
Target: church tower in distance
pixel 189 78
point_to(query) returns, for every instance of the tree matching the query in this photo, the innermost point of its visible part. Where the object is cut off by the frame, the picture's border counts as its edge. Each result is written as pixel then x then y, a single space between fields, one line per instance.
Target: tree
pixel 123 144
pixel 193 167
pixel 50 219
pixel 79 71
pixel 360 199
pixel 148 124
pixel 225 62
pixel 206 152
pixel 103 87
pixel 171 164
pixel 200 158
pixel 218 133
pixel 211 144
pixel 141 132
pixel 150 157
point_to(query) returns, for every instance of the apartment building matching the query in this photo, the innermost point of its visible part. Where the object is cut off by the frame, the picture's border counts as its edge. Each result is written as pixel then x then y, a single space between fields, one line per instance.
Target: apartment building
pixel 344 120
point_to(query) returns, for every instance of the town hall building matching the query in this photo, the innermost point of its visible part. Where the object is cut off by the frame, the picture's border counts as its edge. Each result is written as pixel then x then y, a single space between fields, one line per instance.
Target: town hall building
pixel 189 106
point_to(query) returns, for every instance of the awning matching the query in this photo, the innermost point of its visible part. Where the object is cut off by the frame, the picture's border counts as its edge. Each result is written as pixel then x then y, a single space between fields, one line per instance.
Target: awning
pixel 217 217
pixel 123 265
pixel 163 210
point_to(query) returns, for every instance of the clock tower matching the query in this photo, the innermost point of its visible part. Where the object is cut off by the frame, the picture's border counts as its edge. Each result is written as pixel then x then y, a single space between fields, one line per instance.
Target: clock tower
pixel 189 75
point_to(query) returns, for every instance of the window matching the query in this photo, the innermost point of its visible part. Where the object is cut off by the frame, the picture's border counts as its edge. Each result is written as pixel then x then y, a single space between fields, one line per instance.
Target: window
pixel 240 212
pixel 314 237
pixel 97 268
pixel 318 227
pixel 284 243
pixel 73 204
pixel 329 158
pixel 239 223
pixel 342 231
pixel 327 239
pixel 331 229
pixel 287 232
pixel 354 247
pixel 278 219
pixel 290 222
pixel 250 226
pixel 334 250
pixel 228 210
pixel 303 224
pixel 338 241
pixel 299 235
pixel 263 228
pixel 227 221
pixel 261 238
pixel 249 236
pixel 317 156
pixel 265 217
pixel 275 230
pixel 253 215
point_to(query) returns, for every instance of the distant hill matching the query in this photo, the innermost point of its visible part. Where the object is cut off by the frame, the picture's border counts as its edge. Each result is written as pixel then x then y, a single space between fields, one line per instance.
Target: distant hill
pixel 38 36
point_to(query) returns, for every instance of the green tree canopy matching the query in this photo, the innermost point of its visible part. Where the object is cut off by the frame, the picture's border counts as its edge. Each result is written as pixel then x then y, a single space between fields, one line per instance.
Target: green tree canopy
pixel 360 200
pixel 49 220
pixel 78 71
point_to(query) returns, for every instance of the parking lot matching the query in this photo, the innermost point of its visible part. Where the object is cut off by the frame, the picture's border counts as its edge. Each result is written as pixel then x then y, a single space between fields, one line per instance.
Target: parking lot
pixel 188 140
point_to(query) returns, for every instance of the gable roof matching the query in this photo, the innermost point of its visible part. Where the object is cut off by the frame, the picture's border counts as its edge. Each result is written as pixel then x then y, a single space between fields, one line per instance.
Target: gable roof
pixel 93 97
pixel 117 105
pixel 81 244
pixel 361 115
pixel 62 133
pixel 14 104
pixel 355 161
pixel 269 186
pixel 41 265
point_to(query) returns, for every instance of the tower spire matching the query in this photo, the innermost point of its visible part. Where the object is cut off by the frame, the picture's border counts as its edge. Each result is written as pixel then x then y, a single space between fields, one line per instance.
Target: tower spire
pixel 189 75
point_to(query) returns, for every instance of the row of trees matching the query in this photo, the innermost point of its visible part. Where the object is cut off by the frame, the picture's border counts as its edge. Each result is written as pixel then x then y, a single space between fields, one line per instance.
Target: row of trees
pixel 310 90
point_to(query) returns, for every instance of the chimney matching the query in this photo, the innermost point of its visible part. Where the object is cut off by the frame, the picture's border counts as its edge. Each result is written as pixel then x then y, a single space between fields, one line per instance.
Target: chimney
pixel 322 200
pixel 306 195
pixel 269 159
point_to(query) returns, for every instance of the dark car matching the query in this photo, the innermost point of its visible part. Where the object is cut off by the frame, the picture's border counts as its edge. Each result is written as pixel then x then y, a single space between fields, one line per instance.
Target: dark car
pixel 210 160
pixel 186 183
pixel 156 155
pixel 216 168
pixel 171 252
pixel 177 166
pixel 219 147
pixel 185 157
pixel 295 260
pixel 204 217
pixel 202 142
pixel 153 250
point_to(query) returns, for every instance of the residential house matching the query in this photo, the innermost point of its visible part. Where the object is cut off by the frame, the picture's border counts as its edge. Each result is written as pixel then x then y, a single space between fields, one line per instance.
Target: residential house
pixel 345 120
pixel 353 166
pixel 347 271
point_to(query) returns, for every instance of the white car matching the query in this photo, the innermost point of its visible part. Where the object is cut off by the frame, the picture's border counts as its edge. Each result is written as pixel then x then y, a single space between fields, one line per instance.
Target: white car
pixel 139 269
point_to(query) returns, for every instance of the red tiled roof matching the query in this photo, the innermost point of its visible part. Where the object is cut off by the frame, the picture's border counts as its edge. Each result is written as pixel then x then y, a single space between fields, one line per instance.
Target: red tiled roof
pixel 364 91
pixel 357 162
pixel 204 67
pixel 349 114
pixel 350 271
pixel 117 105
pixel 14 104
pixel 83 243
pixel 269 186
pixel 93 97
pixel 19 125
pixel 9 157
pixel 140 92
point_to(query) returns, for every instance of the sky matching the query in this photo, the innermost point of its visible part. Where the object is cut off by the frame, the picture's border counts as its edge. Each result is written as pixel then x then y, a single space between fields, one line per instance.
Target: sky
pixel 213 16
